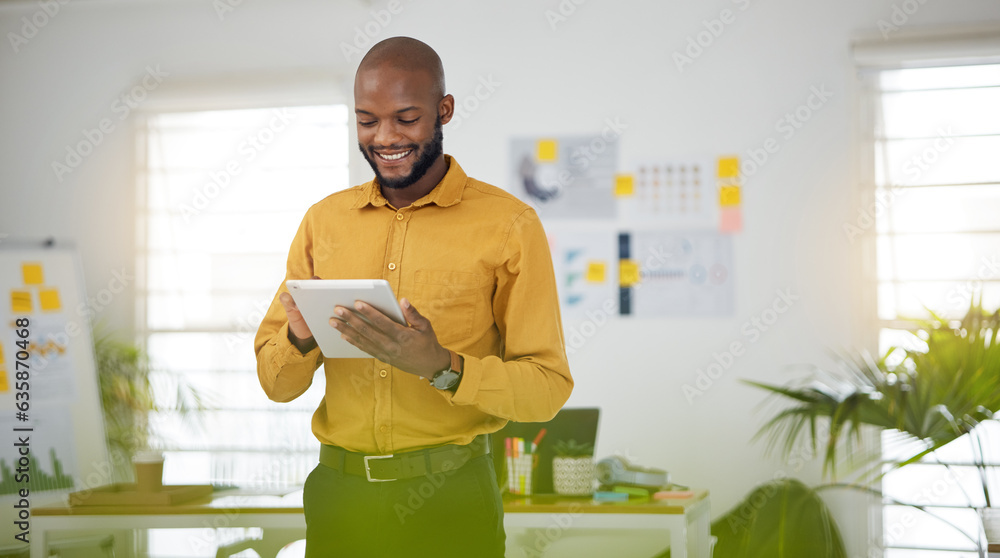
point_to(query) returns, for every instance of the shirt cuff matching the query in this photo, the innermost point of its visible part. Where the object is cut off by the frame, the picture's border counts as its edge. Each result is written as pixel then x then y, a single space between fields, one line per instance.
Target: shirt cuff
pixel 468 388
pixel 286 352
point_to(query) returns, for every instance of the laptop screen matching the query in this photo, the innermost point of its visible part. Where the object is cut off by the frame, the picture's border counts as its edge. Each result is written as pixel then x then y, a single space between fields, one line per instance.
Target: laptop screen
pixel 579 424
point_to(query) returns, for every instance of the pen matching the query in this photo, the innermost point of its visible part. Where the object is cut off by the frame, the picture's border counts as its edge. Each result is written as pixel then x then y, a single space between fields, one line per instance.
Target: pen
pixel 508 443
pixel 538 439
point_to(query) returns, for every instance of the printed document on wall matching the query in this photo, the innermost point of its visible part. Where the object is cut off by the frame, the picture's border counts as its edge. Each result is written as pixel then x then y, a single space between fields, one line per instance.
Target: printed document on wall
pixel 676 274
pixel 568 177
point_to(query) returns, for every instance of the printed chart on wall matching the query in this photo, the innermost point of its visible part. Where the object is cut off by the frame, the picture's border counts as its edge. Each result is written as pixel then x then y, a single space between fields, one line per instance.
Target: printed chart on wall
pixel 677 195
pixel 567 177
pixel 586 268
pixel 46 361
pixel 675 274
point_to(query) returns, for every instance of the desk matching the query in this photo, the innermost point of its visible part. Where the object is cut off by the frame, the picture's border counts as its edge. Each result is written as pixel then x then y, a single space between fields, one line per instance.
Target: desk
pixel 685 519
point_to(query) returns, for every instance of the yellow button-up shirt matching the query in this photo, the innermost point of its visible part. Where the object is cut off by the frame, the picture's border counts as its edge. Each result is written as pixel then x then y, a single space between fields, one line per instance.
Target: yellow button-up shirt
pixel 471 258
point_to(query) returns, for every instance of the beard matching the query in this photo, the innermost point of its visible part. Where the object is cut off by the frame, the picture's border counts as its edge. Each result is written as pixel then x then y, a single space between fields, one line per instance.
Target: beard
pixel 426 155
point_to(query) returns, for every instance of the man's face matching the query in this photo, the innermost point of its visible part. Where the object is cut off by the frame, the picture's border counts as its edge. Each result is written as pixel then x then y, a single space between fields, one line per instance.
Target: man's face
pixel 399 127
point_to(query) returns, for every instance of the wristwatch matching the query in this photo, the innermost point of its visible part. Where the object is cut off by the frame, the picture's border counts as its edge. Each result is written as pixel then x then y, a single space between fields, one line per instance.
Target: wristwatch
pixel 449 377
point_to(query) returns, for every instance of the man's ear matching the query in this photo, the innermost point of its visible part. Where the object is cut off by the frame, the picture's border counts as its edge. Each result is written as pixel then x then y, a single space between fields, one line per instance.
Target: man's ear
pixel 446 109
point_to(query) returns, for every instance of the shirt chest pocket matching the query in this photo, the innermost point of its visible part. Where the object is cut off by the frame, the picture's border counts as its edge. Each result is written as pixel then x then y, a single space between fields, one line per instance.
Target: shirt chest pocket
pixel 453 301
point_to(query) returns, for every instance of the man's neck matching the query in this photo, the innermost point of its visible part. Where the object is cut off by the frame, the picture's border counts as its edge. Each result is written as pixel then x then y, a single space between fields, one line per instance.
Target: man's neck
pixel 403 197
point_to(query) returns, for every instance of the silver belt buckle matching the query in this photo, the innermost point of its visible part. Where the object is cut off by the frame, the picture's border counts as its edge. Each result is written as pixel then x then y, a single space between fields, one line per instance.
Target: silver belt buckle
pixel 368 471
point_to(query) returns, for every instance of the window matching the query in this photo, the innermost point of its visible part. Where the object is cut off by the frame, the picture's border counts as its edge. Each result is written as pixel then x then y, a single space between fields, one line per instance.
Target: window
pixel 937 245
pixel 221 194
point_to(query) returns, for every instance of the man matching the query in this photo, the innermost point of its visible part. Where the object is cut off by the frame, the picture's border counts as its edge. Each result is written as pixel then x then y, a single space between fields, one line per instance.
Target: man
pixel 483 344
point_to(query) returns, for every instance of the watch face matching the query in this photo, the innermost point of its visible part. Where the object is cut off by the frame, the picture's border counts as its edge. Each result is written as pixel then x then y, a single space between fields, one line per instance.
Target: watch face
pixel 445 379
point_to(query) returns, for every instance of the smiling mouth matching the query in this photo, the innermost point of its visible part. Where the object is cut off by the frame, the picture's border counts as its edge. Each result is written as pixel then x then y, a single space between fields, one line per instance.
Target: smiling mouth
pixel 393 156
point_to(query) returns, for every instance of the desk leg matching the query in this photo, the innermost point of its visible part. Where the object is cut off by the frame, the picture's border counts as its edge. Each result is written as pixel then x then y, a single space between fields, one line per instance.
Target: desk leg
pixel 699 534
pixel 38 547
pixel 679 537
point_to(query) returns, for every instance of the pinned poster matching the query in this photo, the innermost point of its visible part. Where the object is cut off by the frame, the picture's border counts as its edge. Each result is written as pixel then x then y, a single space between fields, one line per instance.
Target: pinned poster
pixel 567 178
pixel 583 261
pixel 670 193
pixel 676 274
pixel 41 335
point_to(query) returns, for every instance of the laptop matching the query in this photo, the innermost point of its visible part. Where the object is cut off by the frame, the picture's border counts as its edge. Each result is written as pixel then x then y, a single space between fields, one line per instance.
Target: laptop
pixel 578 424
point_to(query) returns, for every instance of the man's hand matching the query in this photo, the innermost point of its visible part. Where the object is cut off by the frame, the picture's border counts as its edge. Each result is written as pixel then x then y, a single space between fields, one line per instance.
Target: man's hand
pixel 298 332
pixel 413 348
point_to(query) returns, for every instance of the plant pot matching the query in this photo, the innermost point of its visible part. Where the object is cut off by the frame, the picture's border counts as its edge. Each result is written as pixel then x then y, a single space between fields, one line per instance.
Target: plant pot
pixel 991 523
pixel 573 476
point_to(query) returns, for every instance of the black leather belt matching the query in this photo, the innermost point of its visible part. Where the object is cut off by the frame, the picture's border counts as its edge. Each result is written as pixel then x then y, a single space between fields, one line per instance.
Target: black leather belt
pixel 380 468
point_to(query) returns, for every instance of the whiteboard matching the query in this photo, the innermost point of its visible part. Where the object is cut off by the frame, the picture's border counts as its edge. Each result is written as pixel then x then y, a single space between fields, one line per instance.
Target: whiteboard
pixel 42 286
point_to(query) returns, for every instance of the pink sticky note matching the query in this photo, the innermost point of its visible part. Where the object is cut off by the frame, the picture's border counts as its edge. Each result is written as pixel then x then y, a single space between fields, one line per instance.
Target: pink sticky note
pixel 730 219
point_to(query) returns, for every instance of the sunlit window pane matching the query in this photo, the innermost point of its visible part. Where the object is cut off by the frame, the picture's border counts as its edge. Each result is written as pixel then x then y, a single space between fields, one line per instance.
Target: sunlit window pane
pixel 225 192
pixel 937 248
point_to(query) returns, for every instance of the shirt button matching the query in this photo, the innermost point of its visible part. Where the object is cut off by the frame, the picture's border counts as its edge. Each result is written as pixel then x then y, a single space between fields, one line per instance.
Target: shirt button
pixel 383 373
pixel 383 428
pixel 392 266
pixel 399 216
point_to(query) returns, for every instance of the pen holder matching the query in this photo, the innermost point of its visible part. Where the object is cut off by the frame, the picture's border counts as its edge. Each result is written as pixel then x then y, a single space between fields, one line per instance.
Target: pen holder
pixel 520 471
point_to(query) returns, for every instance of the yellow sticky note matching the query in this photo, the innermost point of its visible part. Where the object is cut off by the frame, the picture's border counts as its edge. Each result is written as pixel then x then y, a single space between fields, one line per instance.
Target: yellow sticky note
pixel 596 272
pixel 628 271
pixel 20 302
pixel 729 196
pixel 729 167
pixel 547 150
pixel 32 273
pixel 50 300
pixel 731 219
pixel 624 185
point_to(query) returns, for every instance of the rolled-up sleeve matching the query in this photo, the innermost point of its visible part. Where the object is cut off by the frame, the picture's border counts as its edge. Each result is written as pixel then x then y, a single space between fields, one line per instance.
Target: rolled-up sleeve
pixel 531 380
pixel 284 372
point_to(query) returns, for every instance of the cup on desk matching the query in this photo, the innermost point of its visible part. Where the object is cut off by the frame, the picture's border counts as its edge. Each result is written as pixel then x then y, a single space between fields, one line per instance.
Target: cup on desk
pixel 148 471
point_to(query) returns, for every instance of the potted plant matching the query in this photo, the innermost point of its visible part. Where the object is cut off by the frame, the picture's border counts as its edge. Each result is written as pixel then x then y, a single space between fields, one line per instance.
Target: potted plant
pixel 573 468
pixel 928 398
pixel 127 398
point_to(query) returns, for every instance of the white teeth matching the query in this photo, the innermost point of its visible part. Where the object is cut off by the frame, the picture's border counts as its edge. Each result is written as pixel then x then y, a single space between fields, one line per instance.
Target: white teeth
pixel 394 157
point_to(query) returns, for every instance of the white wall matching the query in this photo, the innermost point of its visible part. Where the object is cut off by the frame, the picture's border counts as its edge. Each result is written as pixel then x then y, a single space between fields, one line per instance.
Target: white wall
pixel 606 60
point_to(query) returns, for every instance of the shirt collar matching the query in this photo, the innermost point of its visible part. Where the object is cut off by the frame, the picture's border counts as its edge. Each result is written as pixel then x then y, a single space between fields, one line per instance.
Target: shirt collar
pixel 448 192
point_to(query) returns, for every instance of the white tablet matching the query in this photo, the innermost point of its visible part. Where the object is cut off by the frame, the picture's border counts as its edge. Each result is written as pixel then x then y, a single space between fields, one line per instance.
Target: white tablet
pixel 316 299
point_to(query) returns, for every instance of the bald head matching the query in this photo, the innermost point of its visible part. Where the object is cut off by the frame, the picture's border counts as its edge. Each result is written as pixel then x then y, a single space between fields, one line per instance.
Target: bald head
pixel 408 54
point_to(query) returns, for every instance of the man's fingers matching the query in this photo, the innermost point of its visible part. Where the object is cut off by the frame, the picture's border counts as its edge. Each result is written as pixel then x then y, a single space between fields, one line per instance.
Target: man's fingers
pixel 378 320
pixel 296 323
pixel 288 302
pixel 360 333
pixel 362 321
pixel 416 319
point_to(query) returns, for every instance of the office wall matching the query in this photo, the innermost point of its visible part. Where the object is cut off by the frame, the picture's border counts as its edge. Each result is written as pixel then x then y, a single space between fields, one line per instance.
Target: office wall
pixel 602 60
